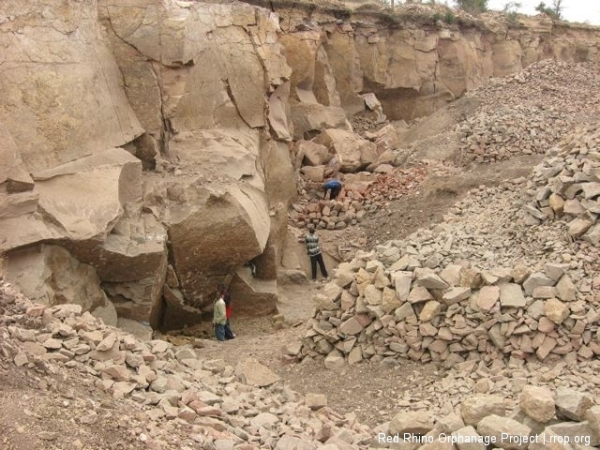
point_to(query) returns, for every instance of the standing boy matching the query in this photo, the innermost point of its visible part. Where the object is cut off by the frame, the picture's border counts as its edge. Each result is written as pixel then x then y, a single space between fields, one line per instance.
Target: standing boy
pixel 219 318
pixel 314 251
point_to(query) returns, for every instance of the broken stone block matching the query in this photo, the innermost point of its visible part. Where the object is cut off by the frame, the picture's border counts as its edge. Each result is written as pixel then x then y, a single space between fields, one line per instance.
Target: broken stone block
pixel 456 295
pixel 477 407
pixel 507 432
pixel 566 290
pixel 556 311
pixel 538 403
pixel 511 296
pixel 412 422
pixel 571 404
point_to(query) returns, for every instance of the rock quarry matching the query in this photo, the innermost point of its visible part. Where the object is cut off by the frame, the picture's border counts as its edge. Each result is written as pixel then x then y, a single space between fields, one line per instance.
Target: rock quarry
pixel 151 150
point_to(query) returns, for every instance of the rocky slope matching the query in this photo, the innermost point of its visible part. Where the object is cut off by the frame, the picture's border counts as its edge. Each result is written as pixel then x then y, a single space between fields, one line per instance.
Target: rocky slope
pixel 493 281
pixel 171 397
pixel 528 112
pixel 128 392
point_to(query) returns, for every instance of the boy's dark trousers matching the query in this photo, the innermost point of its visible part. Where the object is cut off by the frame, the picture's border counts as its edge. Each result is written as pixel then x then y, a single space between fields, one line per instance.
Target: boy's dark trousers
pixel 313 265
pixel 220 331
pixel 335 192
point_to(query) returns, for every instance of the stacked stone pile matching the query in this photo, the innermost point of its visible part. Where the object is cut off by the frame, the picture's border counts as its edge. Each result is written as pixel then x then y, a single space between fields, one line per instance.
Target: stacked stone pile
pixel 484 284
pixel 525 113
pixel 363 193
pixel 567 185
pixel 504 379
pixel 567 419
pixel 490 228
pixel 511 131
pixel 182 401
pixel 407 306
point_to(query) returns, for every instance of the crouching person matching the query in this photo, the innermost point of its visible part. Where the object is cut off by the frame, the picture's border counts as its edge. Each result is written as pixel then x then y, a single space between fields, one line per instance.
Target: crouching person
pixel 219 318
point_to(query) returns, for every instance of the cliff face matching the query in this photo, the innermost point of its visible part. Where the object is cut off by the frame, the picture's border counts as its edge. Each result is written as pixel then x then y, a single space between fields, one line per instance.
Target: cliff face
pixel 97 92
pixel 145 144
pixel 413 61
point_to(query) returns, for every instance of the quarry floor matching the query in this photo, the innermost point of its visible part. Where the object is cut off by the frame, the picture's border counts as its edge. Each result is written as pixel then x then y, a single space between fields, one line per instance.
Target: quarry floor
pixel 371 391
pixel 374 392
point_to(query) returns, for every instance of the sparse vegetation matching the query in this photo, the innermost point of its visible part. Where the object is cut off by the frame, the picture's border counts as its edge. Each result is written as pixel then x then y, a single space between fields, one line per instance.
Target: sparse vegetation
pixel 473 6
pixel 554 10
pixel 449 17
pixel 511 11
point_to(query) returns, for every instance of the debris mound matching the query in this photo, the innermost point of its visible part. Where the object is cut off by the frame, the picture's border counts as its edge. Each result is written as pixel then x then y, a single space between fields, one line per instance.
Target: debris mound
pixel 568 186
pixel 528 112
pixel 541 419
pixel 179 399
pixel 496 280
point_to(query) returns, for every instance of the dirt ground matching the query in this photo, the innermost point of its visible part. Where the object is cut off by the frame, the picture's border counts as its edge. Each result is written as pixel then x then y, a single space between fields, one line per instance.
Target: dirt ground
pixel 48 412
pixel 437 194
pixel 371 391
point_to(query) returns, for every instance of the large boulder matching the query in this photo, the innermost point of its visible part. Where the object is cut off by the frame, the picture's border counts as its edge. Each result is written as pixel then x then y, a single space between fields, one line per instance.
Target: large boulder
pixel 253 296
pixel 313 154
pixel 213 231
pixel 50 275
pixel 310 118
pixel 354 152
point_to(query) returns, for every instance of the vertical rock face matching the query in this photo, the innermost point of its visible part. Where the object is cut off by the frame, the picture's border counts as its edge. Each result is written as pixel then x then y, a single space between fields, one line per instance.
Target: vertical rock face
pixel 416 65
pixel 217 76
pixel 62 96
pixel 146 142
pixel 195 91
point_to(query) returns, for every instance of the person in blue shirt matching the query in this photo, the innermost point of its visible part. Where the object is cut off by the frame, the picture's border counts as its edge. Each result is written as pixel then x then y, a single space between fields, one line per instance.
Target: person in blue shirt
pixel 334 187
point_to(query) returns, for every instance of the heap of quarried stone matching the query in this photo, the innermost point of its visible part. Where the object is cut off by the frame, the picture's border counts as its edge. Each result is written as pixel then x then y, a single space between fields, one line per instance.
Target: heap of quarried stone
pixel 390 305
pixel 363 193
pixel 566 419
pixel 528 112
pixel 568 185
pixel 213 404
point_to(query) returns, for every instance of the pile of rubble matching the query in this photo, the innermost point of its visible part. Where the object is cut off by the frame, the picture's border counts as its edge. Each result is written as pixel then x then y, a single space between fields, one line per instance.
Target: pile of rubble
pixel 336 150
pixel 568 185
pixel 182 401
pixel 362 193
pixel 527 112
pixel 542 420
pixel 491 282
pixel 511 131
pixel 410 307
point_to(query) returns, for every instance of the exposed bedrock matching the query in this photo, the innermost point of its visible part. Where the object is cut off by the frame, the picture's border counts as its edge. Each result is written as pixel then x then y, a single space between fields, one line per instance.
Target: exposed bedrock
pixel 146 146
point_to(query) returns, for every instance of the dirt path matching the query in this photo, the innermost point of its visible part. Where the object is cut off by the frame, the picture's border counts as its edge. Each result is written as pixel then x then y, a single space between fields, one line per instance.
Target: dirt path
pixel 371 391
